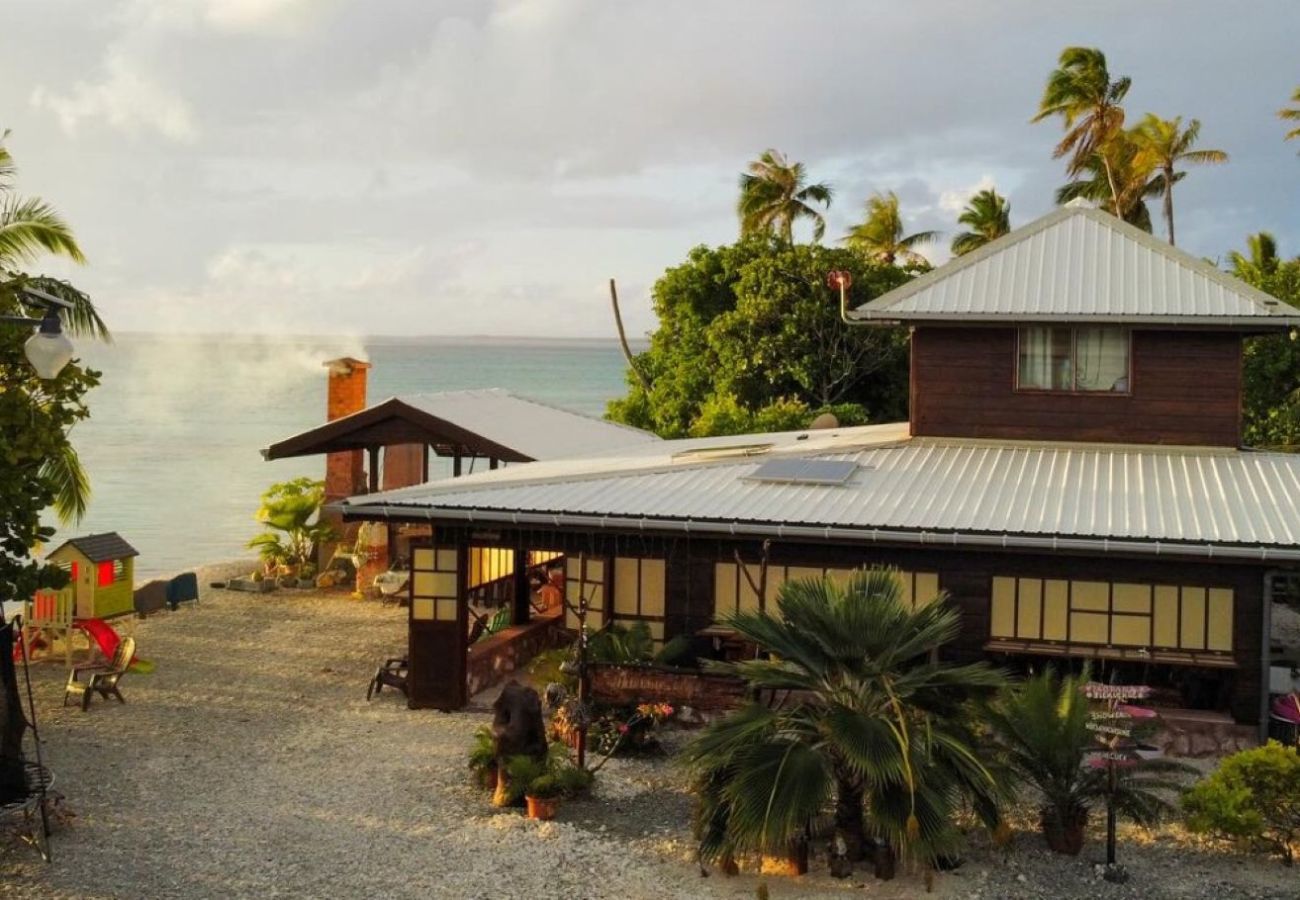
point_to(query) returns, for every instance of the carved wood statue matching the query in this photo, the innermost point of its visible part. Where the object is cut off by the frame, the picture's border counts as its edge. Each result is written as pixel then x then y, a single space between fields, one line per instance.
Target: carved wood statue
pixel 517 729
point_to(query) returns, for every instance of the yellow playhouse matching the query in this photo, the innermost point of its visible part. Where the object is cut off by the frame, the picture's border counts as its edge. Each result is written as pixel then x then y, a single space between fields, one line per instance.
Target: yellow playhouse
pixel 102 567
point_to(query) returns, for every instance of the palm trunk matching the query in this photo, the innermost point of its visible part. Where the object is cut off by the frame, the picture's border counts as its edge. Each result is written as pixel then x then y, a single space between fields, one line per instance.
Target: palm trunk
pixel 849 824
pixel 1114 192
pixel 1169 203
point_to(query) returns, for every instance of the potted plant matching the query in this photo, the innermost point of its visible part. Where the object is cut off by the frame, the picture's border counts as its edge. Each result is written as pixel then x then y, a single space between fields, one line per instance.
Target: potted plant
pixel 290 510
pixel 543 797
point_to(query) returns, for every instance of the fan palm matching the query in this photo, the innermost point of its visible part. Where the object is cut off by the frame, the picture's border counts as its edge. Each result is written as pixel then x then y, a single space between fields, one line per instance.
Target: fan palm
pixel 871 721
pixel 988 215
pixel 1081 92
pixel 880 235
pixel 1164 144
pixel 1291 114
pixel 773 196
pixel 1043 727
pixel 1261 261
pixel 1120 179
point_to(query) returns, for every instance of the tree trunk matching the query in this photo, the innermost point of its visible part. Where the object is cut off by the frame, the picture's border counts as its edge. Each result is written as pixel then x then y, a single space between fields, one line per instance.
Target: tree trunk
pixel 1169 203
pixel 622 339
pixel 1064 829
pixel 849 825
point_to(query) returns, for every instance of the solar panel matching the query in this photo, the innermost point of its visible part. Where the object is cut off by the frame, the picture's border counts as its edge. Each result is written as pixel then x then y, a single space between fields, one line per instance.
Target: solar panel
pixel 804 471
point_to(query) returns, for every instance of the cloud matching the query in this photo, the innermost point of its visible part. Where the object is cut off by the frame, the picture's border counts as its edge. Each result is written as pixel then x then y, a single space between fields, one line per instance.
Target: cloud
pixel 954 202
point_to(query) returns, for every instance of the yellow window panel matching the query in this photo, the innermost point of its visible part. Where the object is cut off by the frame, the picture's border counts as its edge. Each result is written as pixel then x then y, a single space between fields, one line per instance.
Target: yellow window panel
pixel 1029 618
pixel 1164 624
pixel 627 586
pixel 1192 636
pixel 422 558
pixel 1220 632
pixel 595 620
pixel 724 589
pixel 1131 598
pixel 1131 631
pixel 1003 608
pixel 803 572
pixel 1090 595
pixel 573 568
pixel 570 619
pixel 1089 628
pixel 839 576
pixel 654 578
pixel 422 584
pixel 775 578
pixel 446 610
pixel 422 609
pixel 656 630
pixel 748 601
pixel 572 590
pixel 595 595
pixel 1056 610
pixel 444 584
pixel 926 587
pixel 595 570
pixel 904 581
pixel 447 559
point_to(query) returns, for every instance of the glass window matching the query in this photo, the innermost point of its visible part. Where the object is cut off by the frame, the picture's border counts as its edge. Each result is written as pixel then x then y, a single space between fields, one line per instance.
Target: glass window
pixel 1091 359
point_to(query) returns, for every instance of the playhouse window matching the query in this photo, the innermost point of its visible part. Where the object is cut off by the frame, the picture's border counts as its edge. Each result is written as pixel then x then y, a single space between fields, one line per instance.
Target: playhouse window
pixel 1092 359
pixel 105 574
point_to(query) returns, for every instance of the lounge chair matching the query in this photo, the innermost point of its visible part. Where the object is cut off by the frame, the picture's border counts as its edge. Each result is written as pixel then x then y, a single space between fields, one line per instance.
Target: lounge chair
pixel 392 673
pixel 101 677
pixel 390 585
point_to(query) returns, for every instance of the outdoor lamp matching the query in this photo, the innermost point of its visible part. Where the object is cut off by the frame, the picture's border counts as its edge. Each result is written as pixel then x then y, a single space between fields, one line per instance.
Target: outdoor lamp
pixel 49 349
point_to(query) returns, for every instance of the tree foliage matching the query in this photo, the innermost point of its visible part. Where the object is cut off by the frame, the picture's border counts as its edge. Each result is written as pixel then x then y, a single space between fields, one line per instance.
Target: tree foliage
pixel 1291 114
pixel 988 216
pixel 1253 798
pixel 1163 145
pixel 881 237
pixel 1270 363
pixel 288 509
pixel 750 338
pixel 774 194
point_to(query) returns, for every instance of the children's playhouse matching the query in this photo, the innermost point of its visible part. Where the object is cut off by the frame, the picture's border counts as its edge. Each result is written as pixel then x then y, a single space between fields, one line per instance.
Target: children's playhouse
pixel 102 567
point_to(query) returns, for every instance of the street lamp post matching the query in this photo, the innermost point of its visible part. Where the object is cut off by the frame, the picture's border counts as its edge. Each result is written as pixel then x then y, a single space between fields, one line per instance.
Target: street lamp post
pixel 48 350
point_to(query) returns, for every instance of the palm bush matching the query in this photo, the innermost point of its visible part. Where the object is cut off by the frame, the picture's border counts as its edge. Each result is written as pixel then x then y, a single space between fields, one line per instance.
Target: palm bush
pixel 287 510
pixel 872 727
pixel 1042 725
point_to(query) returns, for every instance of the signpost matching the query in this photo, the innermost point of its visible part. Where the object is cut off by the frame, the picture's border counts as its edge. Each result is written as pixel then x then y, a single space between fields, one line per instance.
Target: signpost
pixel 1111 723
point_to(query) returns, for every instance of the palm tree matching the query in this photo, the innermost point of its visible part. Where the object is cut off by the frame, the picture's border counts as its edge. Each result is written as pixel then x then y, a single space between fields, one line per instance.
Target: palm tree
pixel 1291 114
pixel 1080 91
pixel 880 235
pixel 773 196
pixel 29 226
pixel 872 721
pixel 1164 144
pixel 1043 728
pixel 1120 179
pixel 1261 262
pixel 988 215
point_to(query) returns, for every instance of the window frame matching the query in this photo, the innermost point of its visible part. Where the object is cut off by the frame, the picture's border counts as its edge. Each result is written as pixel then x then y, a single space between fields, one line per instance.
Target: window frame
pixel 1073 391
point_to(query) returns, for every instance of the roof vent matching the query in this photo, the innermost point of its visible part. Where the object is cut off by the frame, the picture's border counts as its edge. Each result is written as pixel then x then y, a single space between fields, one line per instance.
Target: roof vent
pixel 804 471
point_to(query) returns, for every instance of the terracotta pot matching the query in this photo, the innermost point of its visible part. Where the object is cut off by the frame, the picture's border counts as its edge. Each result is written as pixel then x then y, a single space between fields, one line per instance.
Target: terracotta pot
pixel 796 863
pixel 542 808
pixel 1064 834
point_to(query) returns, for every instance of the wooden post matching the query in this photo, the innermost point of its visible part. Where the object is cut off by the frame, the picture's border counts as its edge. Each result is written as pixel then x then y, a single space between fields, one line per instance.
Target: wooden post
pixel 455 464
pixel 374 469
pixel 424 465
pixel 523 590
pixel 492 462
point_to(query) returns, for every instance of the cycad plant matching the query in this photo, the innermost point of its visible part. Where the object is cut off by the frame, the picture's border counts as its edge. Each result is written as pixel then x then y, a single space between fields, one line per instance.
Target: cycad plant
pixel 872 728
pixel 1042 725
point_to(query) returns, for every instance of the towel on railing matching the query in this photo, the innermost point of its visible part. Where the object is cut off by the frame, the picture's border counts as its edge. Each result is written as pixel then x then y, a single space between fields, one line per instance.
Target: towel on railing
pixel 182 588
pixel 151 597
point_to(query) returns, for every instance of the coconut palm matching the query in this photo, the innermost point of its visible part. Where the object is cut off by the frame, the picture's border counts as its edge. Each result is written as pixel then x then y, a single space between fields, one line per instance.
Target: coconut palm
pixel 1042 725
pixel 1291 114
pixel 29 226
pixel 1164 144
pixel 1120 179
pixel 880 235
pixel 1261 261
pixel 872 722
pixel 1081 92
pixel 988 215
pixel 773 196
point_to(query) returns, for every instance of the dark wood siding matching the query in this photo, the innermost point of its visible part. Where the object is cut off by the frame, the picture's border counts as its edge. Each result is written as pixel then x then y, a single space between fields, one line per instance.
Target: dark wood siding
pixel 1186 390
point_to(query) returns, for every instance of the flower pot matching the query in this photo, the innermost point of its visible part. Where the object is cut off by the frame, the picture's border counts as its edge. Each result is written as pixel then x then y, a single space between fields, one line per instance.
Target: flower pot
pixel 1064 834
pixel 542 808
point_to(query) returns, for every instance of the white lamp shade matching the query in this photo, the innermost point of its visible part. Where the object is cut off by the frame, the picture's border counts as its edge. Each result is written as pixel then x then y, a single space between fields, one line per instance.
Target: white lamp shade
pixel 48 353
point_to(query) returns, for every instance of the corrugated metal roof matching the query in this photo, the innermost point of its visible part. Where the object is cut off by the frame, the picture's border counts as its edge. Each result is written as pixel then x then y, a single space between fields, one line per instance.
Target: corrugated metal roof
pixel 1079 263
pixel 1124 493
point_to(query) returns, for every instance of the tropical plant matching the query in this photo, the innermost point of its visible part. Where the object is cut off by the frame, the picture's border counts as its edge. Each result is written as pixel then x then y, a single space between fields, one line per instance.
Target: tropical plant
pixel 1081 92
pixel 1120 179
pixel 1291 114
pixel 287 510
pixel 1253 798
pixel 29 226
pixel 774 195
pixel 1260 260
pixel 1163 144
pixel 1042 725
pixel 483 756
pixel 988 216
pixel 880 236
pixel 871 722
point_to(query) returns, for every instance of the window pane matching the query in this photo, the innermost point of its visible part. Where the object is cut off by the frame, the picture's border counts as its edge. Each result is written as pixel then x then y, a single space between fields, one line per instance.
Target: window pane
pixel 1101 359
pixel 1045 359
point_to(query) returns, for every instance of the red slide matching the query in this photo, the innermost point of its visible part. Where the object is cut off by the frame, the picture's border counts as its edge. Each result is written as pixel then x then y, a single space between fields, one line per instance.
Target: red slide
pixel 101 633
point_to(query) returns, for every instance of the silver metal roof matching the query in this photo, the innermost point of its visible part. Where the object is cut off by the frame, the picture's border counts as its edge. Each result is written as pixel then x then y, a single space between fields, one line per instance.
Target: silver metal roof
pixel 1080 264
pixel 1190 500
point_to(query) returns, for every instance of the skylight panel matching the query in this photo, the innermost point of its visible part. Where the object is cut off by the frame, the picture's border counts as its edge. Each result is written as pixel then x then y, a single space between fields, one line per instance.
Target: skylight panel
pixel 804 471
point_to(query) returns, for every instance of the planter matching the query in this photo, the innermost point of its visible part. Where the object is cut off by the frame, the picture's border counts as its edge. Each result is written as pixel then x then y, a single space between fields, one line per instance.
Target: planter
pixel 1063 834
pixel 542 808
pixel 248 584
pixel 305 583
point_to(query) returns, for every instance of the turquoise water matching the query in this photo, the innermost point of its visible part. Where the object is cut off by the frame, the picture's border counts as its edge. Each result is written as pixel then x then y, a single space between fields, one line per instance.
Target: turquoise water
pixel 175 429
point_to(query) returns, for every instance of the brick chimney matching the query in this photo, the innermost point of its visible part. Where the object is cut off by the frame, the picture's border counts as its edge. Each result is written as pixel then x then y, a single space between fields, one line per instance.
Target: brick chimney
pixel 344 472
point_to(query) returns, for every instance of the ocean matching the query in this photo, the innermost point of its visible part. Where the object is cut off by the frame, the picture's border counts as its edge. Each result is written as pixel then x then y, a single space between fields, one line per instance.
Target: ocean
pixel 172 443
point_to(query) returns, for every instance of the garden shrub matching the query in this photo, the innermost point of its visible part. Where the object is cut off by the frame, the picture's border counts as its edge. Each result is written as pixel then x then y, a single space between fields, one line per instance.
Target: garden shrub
pixel 1253 798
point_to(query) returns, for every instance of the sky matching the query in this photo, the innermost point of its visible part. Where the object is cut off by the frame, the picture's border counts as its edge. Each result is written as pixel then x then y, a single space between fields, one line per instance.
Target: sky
pixel 482 167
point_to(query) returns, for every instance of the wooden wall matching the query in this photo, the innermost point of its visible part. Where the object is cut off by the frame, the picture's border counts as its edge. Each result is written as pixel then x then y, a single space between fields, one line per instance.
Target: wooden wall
pixel 1186 390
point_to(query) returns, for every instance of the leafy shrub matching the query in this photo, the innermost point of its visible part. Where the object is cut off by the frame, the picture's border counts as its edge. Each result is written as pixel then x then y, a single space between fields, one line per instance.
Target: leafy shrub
pixel 482 755
pixel 1253 798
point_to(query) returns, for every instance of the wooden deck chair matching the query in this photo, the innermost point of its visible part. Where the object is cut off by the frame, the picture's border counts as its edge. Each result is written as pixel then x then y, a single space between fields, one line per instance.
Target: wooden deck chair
pixel 100 677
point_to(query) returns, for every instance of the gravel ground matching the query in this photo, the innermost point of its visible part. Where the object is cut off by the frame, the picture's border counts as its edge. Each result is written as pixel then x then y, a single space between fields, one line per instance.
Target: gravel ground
pixel 250 765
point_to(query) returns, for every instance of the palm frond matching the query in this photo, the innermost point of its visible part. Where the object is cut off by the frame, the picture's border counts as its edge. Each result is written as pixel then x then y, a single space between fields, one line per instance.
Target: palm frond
pixel 71 484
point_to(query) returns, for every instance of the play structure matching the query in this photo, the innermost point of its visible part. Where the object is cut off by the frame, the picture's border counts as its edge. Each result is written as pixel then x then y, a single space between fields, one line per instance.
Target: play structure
pixel 102 572
pixel 49 624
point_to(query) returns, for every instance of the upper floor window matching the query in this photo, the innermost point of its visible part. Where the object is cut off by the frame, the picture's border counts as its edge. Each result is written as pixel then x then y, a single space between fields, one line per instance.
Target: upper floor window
pixel 1086 359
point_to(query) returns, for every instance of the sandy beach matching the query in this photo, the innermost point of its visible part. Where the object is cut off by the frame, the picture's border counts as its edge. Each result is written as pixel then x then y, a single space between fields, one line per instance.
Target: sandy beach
pixel 249 764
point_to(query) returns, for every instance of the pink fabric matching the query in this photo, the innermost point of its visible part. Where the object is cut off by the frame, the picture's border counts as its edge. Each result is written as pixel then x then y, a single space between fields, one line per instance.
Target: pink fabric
pixel 1287 707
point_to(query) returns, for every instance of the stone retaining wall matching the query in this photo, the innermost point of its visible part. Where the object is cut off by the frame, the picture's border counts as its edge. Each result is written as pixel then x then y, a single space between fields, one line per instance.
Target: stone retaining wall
pixel 684 688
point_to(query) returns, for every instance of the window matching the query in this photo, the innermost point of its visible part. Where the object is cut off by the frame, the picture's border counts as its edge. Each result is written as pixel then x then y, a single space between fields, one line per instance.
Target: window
pixel 584 577
pixel 105 574
pixel 639 588
pixel 734 592
pixel 1084 360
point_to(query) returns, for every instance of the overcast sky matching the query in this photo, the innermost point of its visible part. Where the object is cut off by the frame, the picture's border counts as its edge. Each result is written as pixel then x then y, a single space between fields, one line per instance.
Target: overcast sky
pixel 424 167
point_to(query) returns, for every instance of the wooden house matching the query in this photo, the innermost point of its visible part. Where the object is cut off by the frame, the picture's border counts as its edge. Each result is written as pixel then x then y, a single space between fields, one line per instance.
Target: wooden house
pixel 102 568
pixel 1071 477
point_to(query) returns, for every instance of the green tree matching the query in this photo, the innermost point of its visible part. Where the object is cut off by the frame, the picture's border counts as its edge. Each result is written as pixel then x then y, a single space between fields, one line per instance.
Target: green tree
pixel 1081 92
pixel 288 509
pixel 774 195
pixel 988 216
pixel 874 726
pixel 1253 798
pixel 881 236
pixel 29 226
pixel 750 338
pixel 1291 114
pixel 1260 262
pixel 1120 179
pixel 1163 145
pixel 1270 363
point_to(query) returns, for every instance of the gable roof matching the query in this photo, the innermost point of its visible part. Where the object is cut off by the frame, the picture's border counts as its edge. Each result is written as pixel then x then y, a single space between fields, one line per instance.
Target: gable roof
pixel 1080 264
pixel 489 422
pixel 1034 495
pixel 99 547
